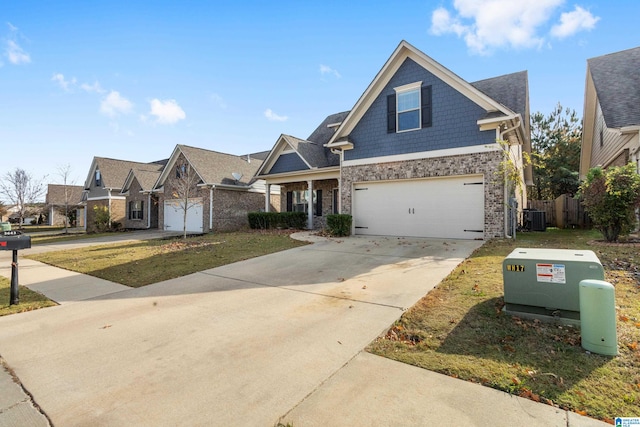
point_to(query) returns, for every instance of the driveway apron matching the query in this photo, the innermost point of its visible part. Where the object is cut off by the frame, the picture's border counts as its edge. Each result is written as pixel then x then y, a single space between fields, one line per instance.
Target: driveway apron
pixel 241 344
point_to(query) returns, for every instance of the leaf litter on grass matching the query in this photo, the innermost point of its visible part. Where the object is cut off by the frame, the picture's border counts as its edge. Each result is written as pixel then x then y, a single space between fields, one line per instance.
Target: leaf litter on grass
pixel 459 329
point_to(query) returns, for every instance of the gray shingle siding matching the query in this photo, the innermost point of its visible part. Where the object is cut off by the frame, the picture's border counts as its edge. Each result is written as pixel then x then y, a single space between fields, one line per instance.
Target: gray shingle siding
pixel 454 120
pixel 288 163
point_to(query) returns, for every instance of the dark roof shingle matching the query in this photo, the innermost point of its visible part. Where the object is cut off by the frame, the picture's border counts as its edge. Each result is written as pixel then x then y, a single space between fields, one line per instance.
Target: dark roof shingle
pixel 509 90
pixel 616 77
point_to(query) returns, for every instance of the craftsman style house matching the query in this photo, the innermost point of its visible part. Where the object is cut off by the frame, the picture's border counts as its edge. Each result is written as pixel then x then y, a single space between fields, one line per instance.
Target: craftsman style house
pixel 104 184
pixel 417 155
pixel 611 120
pixel 216 190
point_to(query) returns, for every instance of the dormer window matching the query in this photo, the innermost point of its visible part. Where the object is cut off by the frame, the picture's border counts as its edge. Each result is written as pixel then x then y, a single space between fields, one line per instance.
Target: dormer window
pixel 409 108
pixel 98 179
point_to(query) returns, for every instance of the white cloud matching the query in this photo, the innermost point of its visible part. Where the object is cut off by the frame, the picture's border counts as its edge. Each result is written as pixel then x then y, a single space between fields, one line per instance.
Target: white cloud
pixel 325 69
pixel 15 54
pixel 95 87
pixel 270 115
pixel 219 101
pixel 573 22
pixel 64 83
pixel 166 112
pixel 114 104
pixel 489 24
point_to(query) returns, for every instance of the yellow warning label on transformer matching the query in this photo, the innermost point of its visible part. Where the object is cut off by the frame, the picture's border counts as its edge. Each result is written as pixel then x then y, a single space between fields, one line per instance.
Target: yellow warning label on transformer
pixel 514 267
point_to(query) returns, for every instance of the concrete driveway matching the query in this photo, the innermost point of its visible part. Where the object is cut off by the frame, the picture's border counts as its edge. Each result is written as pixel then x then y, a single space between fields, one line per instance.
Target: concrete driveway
pixel 242 344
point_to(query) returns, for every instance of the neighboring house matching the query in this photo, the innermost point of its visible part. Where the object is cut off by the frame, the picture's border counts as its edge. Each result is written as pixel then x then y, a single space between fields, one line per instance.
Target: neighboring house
pixel 611 120
pixel 64 197
pixel 104 184
pixel 416 156
pixel 141 202
pixel 222 190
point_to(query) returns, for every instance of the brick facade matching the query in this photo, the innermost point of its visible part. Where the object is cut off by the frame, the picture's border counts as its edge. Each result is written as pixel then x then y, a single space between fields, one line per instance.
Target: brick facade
pixel 483 163
pixel 230 207
pixel 117 209
pixel 136 195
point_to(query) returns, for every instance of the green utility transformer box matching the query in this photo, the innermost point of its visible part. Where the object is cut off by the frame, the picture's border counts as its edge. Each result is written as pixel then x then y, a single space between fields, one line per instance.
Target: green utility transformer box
pixel 544 283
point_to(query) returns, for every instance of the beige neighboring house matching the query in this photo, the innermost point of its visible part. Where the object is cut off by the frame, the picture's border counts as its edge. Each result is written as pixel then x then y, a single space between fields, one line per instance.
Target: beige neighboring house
pixel 222 193
pixel 611 120
pixel 104 184
pixel 59 196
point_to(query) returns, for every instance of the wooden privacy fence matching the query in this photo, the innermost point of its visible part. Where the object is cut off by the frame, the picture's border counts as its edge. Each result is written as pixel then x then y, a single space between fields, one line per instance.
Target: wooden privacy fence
pixel 563 212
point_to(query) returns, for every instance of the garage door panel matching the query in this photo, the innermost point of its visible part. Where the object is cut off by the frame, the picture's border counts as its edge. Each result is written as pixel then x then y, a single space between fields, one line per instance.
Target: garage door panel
pixel 174 216
pixel 451 207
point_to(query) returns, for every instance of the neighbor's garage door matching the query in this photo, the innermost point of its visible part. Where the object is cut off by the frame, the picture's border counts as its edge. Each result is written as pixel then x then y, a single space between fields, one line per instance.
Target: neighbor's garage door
pixel 449 207
pixel 174 216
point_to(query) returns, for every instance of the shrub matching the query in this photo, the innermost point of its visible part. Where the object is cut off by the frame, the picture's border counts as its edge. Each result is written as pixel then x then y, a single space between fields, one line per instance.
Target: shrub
pixel 102 219
pixel 610 197
pixel 266 220
pixel 339 224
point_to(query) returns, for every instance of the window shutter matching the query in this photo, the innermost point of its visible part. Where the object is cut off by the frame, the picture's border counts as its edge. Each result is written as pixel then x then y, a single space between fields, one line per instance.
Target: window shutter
pixel 130 206
pixel 426 106
pixel 289 201
pixel 391 113
pixel 141 214
pixel 318 202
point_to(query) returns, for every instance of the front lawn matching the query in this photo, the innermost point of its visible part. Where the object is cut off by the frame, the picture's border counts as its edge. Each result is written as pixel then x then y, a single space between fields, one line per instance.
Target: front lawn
pixel 141 263
pixel 459 329
pixel 28 299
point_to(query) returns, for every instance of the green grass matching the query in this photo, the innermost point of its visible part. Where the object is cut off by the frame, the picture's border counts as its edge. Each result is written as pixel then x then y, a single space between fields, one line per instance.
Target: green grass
pixel 141 263
pixel 28 299
pixel 459 329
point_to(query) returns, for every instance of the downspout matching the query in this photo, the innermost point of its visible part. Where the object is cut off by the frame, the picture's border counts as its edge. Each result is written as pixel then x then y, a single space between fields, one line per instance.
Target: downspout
pixel 149 210
pixel 109 201
pixel 211 208
pixel 506 195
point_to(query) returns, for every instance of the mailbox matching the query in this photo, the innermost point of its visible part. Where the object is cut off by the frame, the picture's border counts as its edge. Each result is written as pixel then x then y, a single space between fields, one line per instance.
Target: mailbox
pixel 14 240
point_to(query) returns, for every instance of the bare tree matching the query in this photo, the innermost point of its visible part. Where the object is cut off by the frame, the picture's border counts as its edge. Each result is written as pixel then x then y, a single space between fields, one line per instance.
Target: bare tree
pixel 21 189
pixel 184 187
pixel 64 172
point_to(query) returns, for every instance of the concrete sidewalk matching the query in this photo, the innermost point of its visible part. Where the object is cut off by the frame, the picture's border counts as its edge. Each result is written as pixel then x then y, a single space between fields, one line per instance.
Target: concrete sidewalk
pixel 275 337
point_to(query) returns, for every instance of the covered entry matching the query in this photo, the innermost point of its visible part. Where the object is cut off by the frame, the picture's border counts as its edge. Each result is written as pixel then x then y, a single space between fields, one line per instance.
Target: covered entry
pixel 447 207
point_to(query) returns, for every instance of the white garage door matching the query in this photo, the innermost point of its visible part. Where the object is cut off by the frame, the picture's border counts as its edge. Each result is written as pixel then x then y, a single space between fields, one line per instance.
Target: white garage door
pixel 174 215
pixel 449 207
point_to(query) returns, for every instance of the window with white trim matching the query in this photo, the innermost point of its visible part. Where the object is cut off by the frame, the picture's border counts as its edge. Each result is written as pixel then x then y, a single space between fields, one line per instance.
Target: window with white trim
pixel 409 108
pixel 136 209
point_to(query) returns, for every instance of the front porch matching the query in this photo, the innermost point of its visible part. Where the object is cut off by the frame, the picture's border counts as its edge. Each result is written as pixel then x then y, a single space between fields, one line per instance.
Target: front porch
pixel 317 198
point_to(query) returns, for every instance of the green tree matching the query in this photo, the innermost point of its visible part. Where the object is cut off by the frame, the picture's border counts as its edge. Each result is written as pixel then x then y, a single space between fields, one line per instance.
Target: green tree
pixel 611 197
pixel 555 153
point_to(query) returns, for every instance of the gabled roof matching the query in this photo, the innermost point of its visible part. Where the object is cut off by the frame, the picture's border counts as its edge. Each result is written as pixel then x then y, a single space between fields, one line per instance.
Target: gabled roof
pixel 146 179
pixel 616 77
pixel 510 90
pixel 56 194
pixel 312 150
pixel 397 58
pixel 113 172
pixel 213 168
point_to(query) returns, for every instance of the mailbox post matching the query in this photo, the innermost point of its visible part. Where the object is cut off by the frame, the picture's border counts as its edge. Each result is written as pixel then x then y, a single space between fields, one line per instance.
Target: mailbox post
pixel 14 240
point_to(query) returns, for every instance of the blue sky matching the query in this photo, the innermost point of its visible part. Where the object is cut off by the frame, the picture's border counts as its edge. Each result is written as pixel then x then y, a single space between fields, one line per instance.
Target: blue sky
pixel 129 80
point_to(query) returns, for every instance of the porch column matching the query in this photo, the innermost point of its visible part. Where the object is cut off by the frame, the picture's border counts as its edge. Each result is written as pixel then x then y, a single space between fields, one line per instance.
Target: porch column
pixel 310 205
pixel 267 198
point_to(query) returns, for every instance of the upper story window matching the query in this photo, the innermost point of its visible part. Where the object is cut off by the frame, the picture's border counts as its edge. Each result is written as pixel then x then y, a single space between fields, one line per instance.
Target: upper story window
pixel 98 179
pixel 181 171
pixel 409 108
